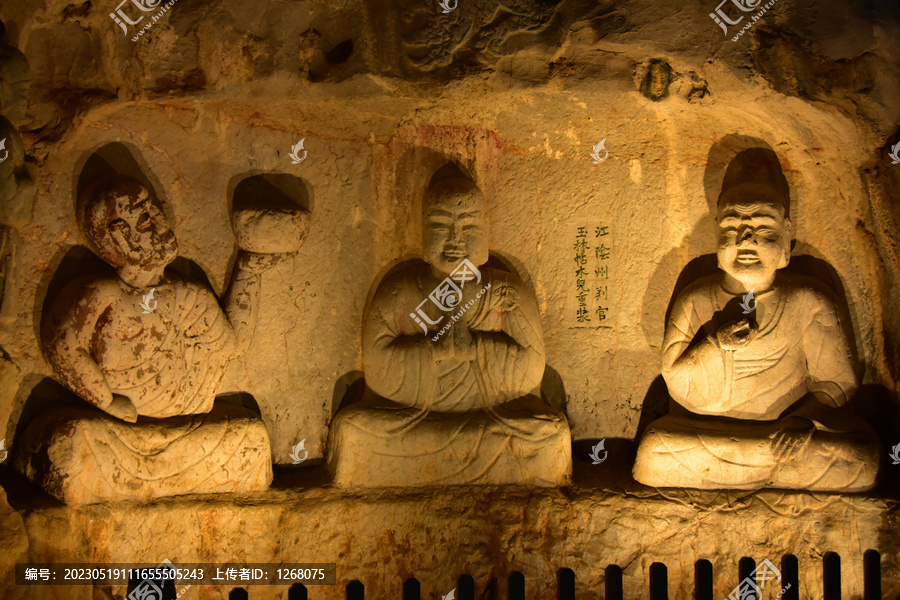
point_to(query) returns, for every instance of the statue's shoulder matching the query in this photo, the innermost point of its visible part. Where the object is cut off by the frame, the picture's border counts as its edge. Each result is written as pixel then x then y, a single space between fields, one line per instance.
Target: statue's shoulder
pixel 90 287
pixel 805 290
pixel 703 289
pixel 402 281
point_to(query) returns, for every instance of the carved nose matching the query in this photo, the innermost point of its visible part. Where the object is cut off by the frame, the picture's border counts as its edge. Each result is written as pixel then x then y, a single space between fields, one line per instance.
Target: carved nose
pixel 746 235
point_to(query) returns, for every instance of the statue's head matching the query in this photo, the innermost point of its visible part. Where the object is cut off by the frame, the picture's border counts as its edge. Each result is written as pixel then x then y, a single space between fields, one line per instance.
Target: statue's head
pixel 127 227
pixel 454 224
pixel 753 219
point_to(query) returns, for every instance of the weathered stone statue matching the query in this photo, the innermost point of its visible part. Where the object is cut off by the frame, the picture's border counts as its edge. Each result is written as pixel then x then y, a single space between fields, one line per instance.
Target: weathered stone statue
pixel 757 363
pixel 144 343
pixel 454 352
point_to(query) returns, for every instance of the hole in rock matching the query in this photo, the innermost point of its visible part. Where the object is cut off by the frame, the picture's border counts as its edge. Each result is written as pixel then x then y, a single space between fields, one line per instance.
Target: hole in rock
pixel 466 587
pixel 565 582
pixel 746 566
pixel 790 576
pixel 298 591
pixel 614 589
pixel 831 576
pixel 516 586
pixel 356 590
pixel 411 589
pixel 703 580
pixel 871 575
pixel 340 53
pixel 659 582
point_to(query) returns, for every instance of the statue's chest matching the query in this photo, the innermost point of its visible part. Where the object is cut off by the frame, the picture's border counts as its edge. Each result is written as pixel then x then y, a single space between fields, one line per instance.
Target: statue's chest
pixel 128 333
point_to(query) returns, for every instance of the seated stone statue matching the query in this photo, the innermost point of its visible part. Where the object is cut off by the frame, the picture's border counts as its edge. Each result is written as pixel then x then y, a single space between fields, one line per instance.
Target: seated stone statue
pixel 145 344
pixel 453 355
pixel 757 363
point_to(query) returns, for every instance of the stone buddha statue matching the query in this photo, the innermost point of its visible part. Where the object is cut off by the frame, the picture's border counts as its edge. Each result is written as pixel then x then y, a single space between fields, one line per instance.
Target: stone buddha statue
pixel 150 349
pixel 453 355
pixel 759 369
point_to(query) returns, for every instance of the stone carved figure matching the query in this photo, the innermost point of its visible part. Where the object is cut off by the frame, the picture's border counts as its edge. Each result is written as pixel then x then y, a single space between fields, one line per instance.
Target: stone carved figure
pixel 454 388
pixel 144 343
pixel 757 363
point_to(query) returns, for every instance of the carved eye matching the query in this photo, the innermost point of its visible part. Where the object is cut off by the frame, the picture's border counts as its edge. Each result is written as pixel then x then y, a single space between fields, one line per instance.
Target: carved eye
pixel 145 222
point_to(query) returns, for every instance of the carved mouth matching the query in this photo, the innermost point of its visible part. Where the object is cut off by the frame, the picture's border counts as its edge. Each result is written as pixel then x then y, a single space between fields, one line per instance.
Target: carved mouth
pixel 747 257
pixel 454 254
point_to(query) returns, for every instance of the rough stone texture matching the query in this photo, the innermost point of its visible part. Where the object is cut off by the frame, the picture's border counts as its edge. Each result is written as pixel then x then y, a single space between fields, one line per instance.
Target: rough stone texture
pixel 528 443
pixel 83 457
pixel 382 539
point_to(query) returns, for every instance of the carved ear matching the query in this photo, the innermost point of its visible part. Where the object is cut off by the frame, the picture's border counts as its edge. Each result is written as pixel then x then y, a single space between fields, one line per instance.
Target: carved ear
pixel 786 244
pixel 119 233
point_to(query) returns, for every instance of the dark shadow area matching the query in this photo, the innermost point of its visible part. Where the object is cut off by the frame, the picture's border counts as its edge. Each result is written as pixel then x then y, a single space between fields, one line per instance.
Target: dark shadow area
pixel 703 580
pixel 831 576
pixel 516 586
pixel 565 584
pixel 553 389
pixel 356 590
pixel 613 583
pixel 871 575
pixel 412 589
pixel 298 591
pixel 277 191
pixel 241 399
pixel 746 566
pixel 659 582
pixel 238 594
pixel 348 389
pixel 656 404
pixel 465 586
pixel 790 576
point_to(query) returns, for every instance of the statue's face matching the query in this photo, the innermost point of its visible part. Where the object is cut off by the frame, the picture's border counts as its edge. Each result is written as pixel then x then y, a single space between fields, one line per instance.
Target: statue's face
pixel 754 241
pixel 141 232
pixel 455 228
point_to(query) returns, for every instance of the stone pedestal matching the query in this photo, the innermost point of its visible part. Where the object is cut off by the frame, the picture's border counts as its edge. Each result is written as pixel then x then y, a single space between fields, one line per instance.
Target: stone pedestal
pixel 381 537
pixel 679 452
pixel 83 456
pixel 375 444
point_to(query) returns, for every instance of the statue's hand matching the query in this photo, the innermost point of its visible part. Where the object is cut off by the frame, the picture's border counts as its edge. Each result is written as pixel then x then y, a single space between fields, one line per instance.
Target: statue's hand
pixel 123 408
pixel 734 336
pixel 791 437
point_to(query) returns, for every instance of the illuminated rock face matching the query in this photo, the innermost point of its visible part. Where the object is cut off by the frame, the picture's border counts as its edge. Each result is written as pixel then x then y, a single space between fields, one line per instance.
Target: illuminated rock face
pixel 451 349
pixel 762 355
